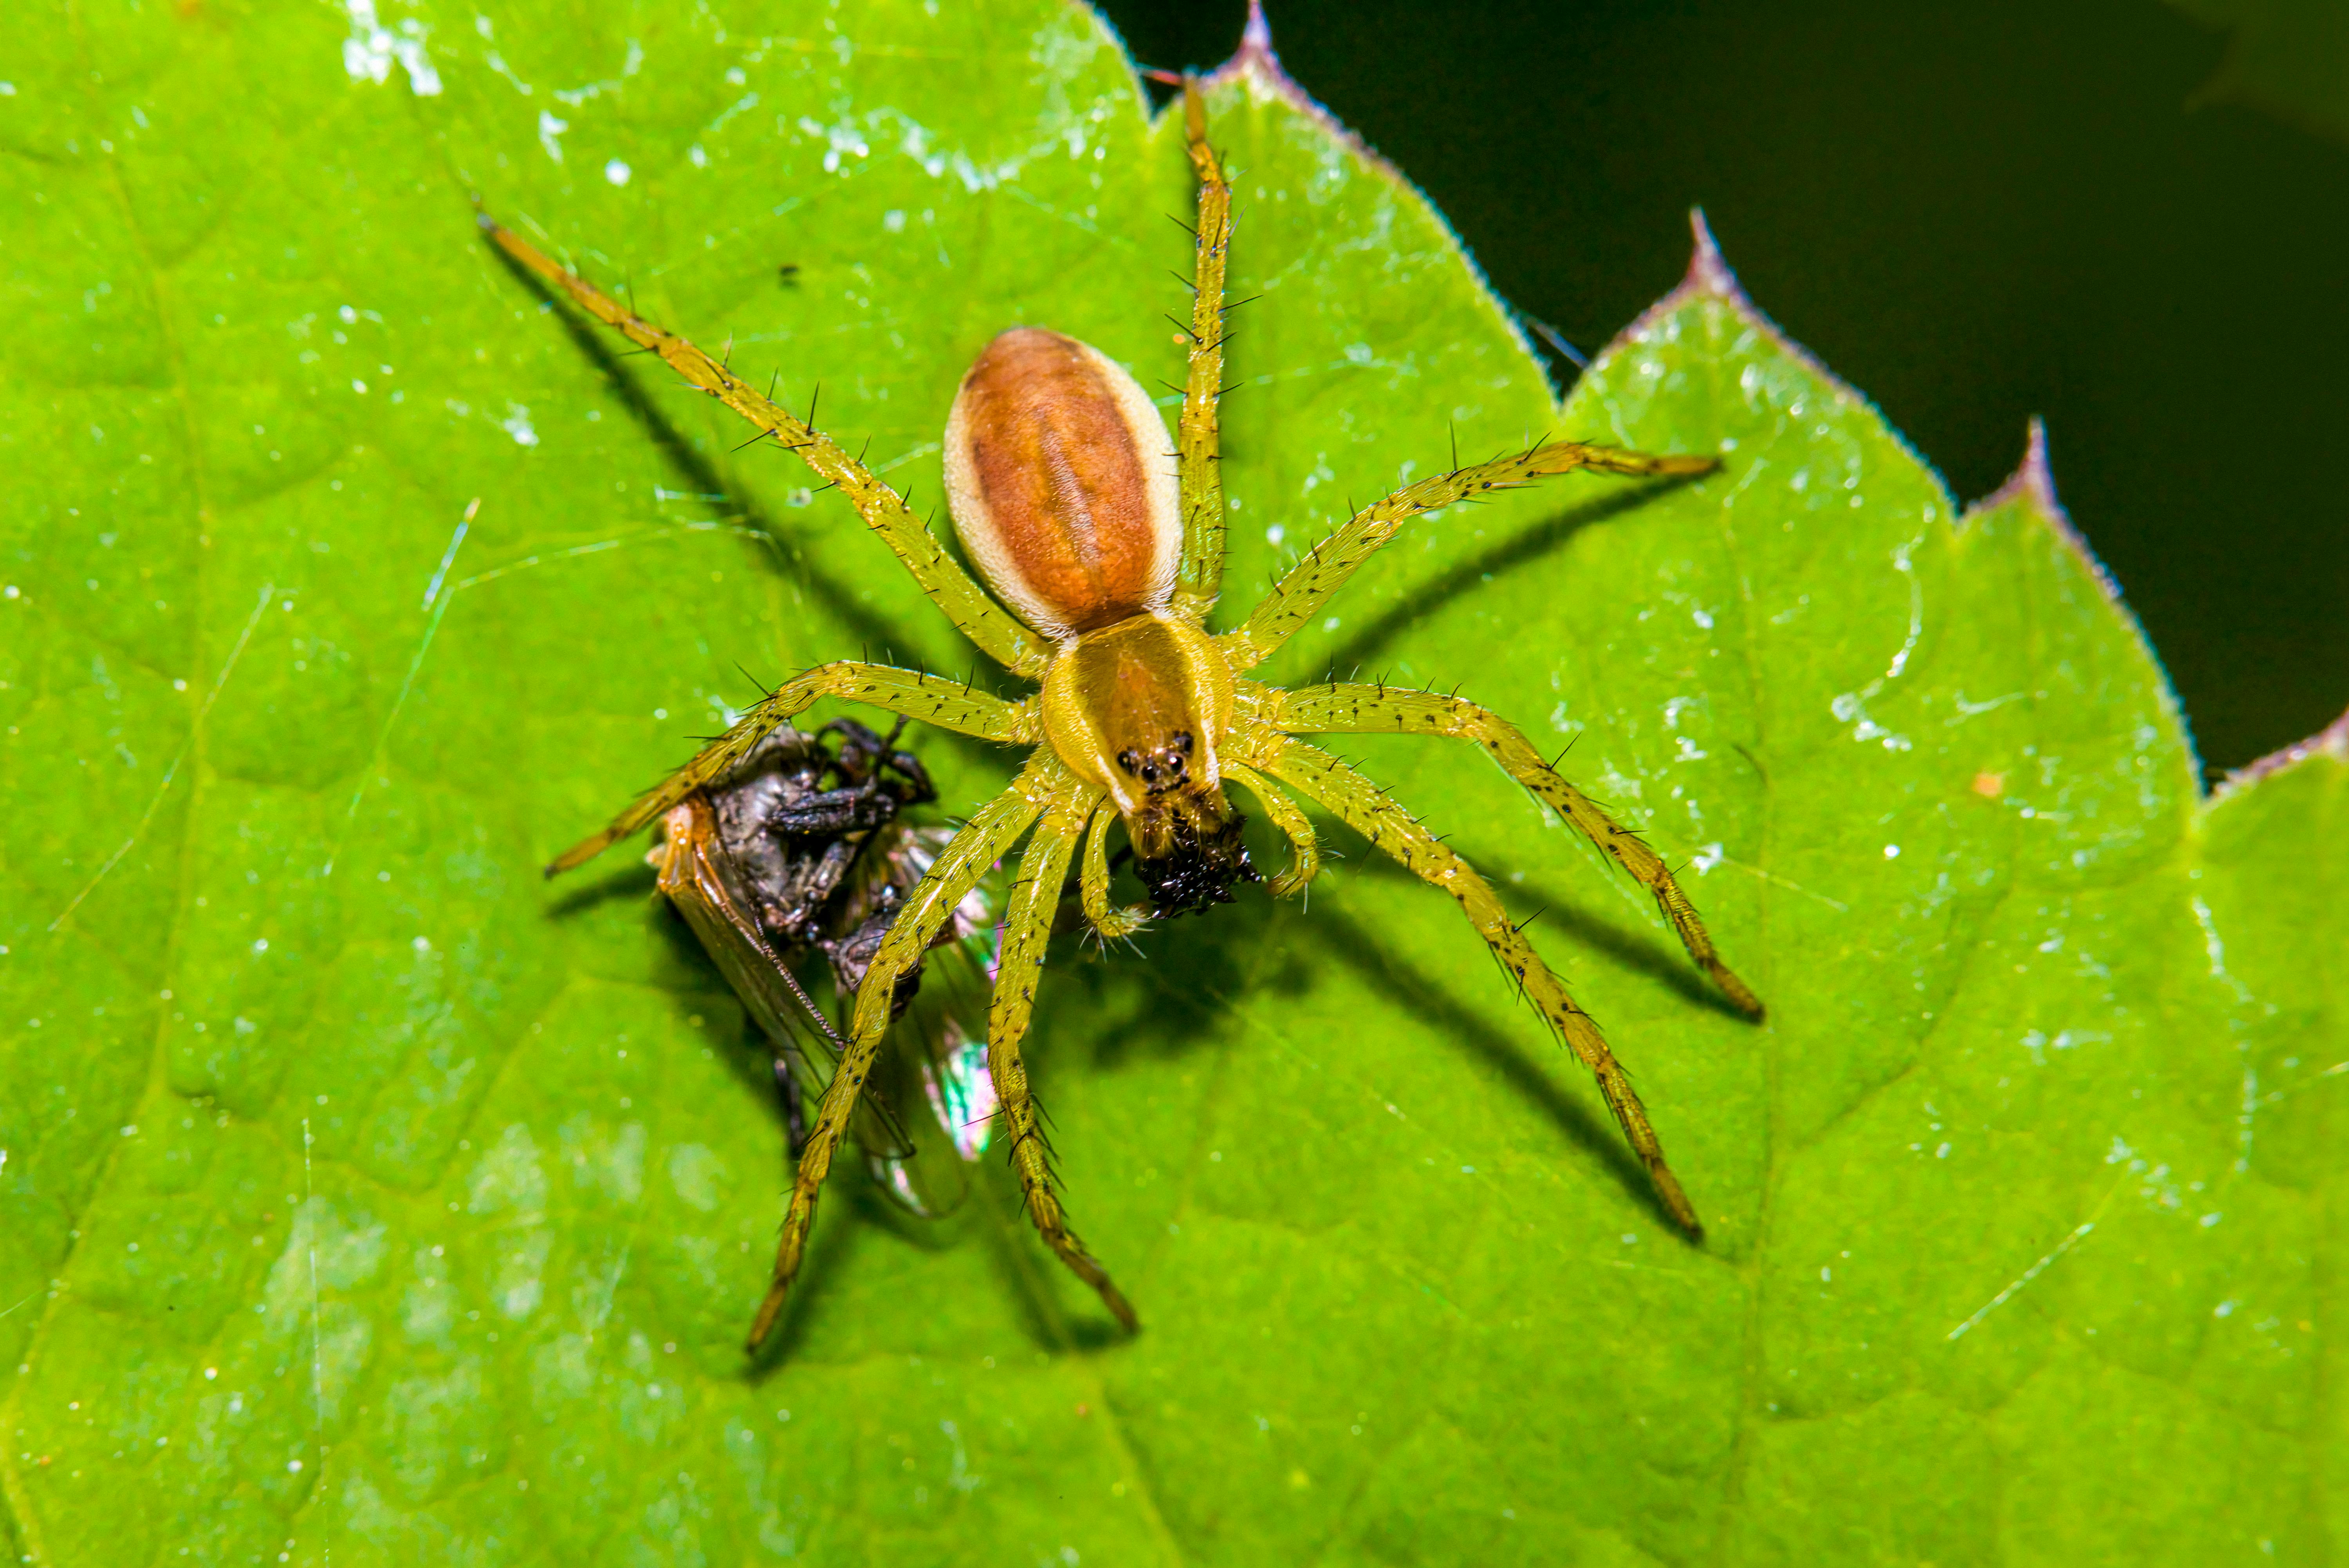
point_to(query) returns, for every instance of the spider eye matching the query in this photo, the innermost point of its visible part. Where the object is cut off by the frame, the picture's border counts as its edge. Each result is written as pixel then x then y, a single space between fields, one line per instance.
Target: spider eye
pixel 1161 769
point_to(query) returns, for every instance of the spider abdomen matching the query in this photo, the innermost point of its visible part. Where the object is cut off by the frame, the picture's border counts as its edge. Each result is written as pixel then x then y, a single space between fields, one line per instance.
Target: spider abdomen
pixel 1061 480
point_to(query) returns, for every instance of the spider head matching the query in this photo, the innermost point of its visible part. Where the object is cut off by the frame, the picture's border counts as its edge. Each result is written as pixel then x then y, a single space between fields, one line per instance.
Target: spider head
pixel 1139 708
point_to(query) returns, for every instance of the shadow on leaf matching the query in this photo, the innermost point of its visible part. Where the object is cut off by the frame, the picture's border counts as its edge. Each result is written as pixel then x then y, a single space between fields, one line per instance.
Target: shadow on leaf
pixel 1644 951
pixel 1469 575
pixel 696 473
pixel 1401 985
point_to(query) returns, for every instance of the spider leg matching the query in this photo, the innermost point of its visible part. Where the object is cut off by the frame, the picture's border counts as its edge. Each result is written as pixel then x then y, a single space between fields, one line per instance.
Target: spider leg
pixel 1305 851
pixel 933 699
pixel 1027 928
pixel 1345 708
pixel 1369 811
pixel 1299 596
pixel 1202 575
pixel 974 614
pixel 1094 885
pixel 967 858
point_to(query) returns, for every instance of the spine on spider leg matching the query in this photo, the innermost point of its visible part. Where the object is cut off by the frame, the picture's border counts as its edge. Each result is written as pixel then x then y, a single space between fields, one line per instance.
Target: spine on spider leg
pixel 948 586
pixel 937 701
pixel 1517 758
pixel 1347 708
pixel 1197 447
pixel 1573 1027
pixel 951 877
pixel 1330 564
pixel 1366 808
pixel 816 1164
pixel 712 762
pixel 1026 930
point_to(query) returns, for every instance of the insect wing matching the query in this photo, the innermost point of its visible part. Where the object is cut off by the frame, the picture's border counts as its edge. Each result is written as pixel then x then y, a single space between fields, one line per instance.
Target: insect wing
pixel 689 859
pixel 933 1053
pixel 961 1091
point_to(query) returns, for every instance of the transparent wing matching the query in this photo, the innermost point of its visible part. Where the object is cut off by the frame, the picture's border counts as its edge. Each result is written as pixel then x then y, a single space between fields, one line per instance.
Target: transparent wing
pixel 948 1018
pixel 803 1037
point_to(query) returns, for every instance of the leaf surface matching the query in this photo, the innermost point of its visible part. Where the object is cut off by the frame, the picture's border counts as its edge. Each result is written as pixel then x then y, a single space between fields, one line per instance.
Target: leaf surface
pixel 370 1197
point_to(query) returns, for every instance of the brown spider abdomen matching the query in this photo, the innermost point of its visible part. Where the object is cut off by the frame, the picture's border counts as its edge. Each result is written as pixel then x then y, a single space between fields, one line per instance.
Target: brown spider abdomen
pixel 1061 480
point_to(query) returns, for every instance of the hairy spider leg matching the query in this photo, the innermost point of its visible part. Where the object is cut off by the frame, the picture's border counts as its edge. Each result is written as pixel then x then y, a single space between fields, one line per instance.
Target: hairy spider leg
pixel 978 617
pixel 1346 708
pixel 1304 849
pixel 1027 928
pixel 1370 811
pixel 692 884
pixel 989 834
pixel 1107 923
pixel 1201 578
pixel 1299 596
pixel 938 700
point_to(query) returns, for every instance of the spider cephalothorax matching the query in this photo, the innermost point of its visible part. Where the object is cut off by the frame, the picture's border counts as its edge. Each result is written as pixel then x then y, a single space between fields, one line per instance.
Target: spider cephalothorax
pixel 1108 551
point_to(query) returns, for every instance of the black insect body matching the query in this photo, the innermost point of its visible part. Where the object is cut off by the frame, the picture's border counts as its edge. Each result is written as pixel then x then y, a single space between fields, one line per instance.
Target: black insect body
pixel 799 853
pixel 795 819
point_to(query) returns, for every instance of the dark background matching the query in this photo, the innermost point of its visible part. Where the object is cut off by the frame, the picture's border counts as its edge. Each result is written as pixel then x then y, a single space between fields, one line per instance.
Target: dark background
pixel 1973 213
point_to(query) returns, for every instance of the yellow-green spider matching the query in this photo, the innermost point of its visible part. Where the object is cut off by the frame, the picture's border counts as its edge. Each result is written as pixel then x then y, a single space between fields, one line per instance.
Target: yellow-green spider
pixel 1105 554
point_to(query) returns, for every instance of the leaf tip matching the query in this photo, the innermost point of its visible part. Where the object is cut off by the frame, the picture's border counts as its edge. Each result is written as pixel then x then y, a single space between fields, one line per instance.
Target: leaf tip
pixel 2034 483
pixel 1708 272
pixel 1256 63
pixel 2332 741
pixel 1257 36
pixel 1255 56
pixel 2033 486
pixel 1709 277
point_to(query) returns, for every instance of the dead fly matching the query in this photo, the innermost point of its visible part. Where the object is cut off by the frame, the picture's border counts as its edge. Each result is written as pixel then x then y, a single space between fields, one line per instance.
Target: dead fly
pixel 797 861
pixel 1105 555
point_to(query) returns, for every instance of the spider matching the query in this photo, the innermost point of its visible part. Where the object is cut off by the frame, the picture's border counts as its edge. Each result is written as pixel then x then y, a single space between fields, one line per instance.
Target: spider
pixel 1104 554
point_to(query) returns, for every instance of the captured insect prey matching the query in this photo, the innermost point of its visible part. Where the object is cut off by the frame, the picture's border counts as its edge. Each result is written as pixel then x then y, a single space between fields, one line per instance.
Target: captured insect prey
pixel 797 860
pixel 1101 544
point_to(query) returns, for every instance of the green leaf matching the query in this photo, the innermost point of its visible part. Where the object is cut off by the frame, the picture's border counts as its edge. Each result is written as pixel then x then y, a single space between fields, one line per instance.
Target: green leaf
pixel 369 1198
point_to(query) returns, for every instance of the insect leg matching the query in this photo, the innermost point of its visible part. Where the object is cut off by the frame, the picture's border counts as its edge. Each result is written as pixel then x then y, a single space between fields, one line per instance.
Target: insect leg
pixel 787 1086
pixel 1369 811
pixel 976 616
pixel 1350 709
pixel 1094 885
pixel 1305 852
pixel 1299 596
pixel 1202 575
pixel 991 831
pixel 933 698
pixel 1027 928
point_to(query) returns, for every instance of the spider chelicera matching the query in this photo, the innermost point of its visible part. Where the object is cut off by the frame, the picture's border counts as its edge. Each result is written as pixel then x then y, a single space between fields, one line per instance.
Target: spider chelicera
pixel 1106 554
